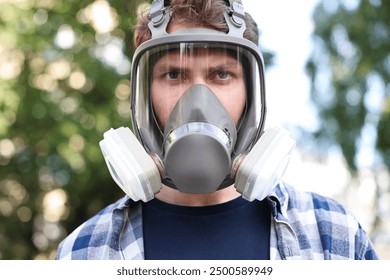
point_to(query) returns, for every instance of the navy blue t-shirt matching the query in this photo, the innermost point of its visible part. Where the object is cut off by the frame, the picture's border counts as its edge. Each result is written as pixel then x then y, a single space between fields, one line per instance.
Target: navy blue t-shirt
pixel 237 229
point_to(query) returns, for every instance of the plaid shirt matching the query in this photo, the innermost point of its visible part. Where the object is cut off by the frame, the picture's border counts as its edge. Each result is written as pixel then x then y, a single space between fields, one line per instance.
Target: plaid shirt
pixel 304 226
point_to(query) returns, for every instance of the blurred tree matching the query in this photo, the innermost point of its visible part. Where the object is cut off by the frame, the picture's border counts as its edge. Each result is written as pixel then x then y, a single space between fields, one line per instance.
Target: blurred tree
pixel 350 72
pixel 350 76
pixel 63 82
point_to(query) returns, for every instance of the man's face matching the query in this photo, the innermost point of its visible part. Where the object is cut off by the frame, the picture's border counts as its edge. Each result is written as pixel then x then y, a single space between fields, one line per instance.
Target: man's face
pixel 177 71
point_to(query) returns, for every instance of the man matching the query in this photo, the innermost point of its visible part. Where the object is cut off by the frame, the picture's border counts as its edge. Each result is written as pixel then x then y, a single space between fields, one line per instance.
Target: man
pixel 205 171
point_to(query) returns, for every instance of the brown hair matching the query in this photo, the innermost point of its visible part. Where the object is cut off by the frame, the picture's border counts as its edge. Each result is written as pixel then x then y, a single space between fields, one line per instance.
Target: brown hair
pixel 203 13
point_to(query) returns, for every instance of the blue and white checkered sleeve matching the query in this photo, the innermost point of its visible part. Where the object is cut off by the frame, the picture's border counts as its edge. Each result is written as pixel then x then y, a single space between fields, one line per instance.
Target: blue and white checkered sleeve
pixel 95 238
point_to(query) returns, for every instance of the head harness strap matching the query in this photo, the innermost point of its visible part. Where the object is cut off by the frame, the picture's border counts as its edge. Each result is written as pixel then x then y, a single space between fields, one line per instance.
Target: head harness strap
pixel 159 18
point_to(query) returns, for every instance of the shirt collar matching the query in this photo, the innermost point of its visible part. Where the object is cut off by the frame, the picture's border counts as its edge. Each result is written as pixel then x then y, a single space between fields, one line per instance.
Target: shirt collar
pixel 280 199
pixel 125 202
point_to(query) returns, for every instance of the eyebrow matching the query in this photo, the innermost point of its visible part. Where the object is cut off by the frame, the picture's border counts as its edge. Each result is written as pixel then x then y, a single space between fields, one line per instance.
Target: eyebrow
pixel 168 67
pixel 173 66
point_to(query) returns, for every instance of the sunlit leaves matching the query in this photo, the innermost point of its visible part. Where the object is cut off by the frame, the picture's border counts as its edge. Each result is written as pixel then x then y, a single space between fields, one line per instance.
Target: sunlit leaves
pixel 64 69
pixel 353 41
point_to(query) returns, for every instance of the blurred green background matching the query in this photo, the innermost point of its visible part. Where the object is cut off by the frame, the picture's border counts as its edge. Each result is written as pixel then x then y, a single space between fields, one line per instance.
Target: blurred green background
pixel 64 81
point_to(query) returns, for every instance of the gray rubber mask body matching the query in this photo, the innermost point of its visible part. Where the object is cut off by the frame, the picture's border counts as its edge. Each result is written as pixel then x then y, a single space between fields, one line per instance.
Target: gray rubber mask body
pixel 198 140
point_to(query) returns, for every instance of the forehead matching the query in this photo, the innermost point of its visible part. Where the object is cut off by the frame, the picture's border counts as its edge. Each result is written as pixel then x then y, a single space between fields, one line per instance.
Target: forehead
pixel 201 55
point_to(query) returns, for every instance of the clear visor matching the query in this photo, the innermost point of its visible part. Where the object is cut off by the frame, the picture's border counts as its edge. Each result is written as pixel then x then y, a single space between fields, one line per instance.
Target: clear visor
pixel 163 73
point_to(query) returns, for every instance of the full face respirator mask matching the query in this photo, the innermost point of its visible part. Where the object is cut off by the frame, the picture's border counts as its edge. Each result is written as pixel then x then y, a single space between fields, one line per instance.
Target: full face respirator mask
pixel 198 112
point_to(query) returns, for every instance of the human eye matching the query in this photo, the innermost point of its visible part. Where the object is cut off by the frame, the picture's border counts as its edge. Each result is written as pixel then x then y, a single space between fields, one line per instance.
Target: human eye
pixel 223 75
pixel 173 75
pixel 220 75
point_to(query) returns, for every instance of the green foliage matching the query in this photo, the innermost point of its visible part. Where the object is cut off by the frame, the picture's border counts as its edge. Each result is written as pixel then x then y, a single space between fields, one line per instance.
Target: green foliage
pixel 350 70
pixel 64 81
